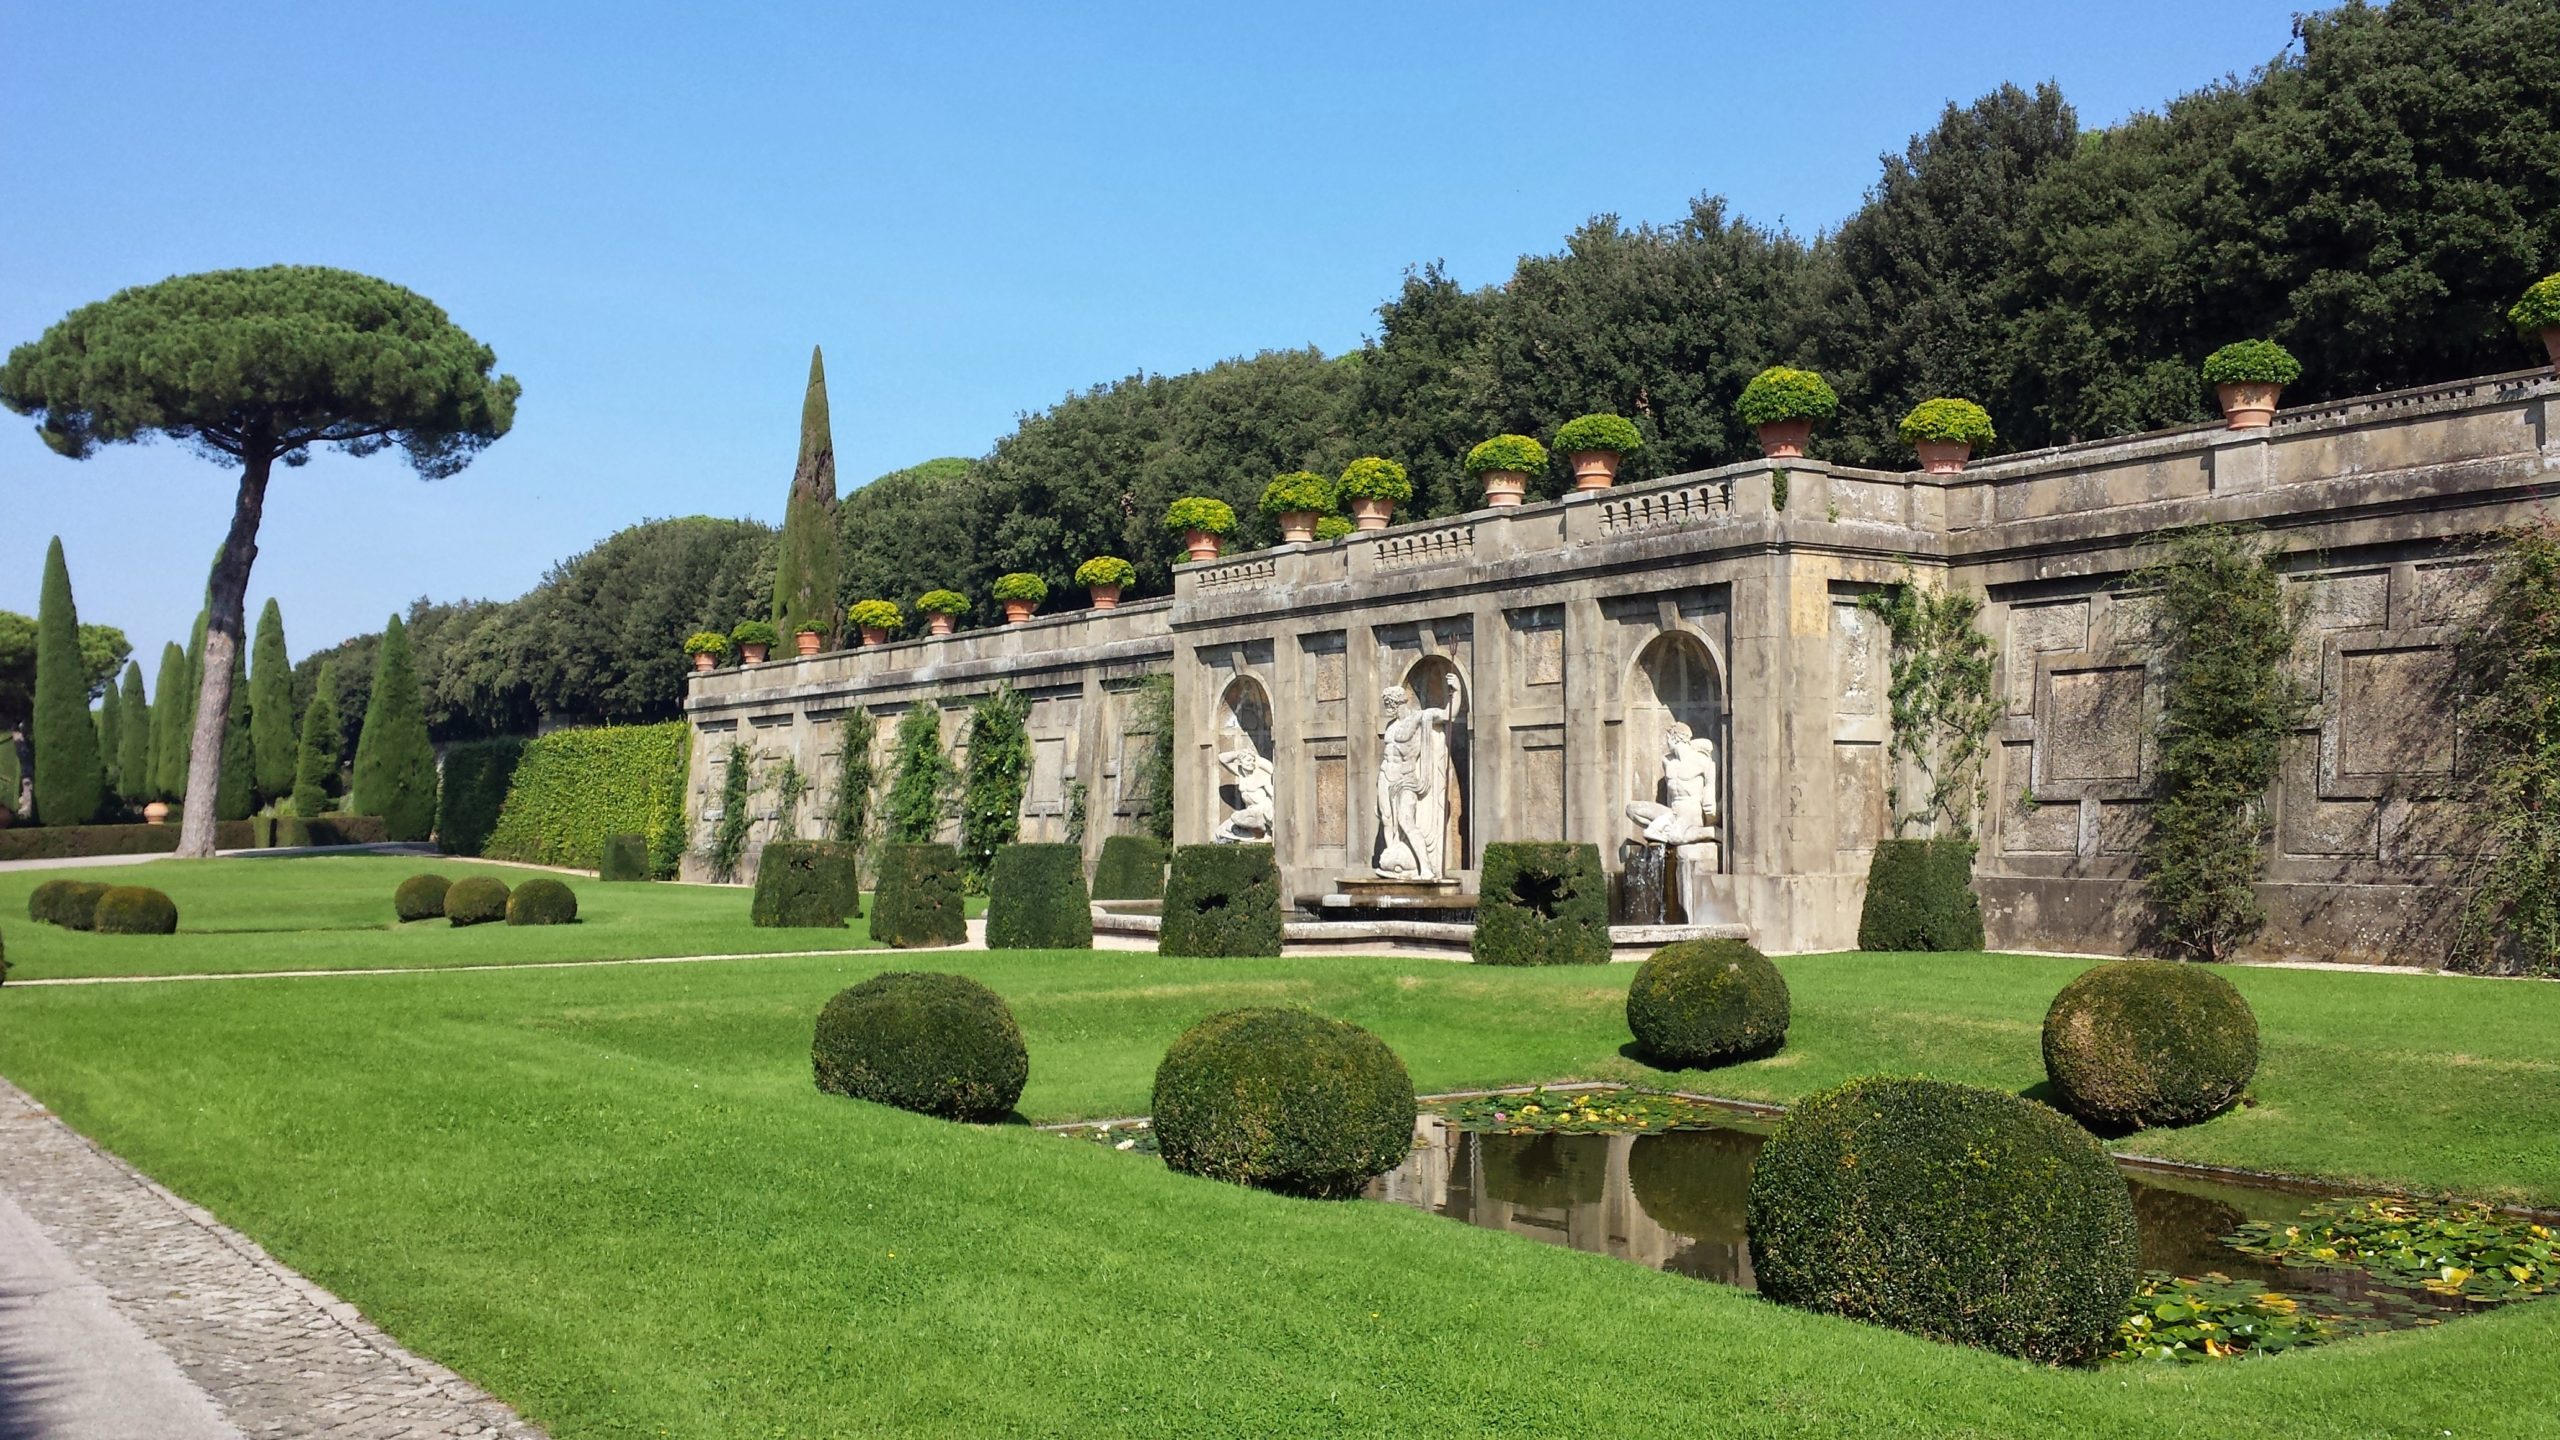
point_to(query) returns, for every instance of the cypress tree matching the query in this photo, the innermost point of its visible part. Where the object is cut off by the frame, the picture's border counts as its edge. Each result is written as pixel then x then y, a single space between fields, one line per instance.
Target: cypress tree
pixel 70 784
pixel 315 768
pixel 395 764
pixel 133 751
pixel 810 559
pixel 236 794
pixel 170 717
pixel 110 715
pixel 271 730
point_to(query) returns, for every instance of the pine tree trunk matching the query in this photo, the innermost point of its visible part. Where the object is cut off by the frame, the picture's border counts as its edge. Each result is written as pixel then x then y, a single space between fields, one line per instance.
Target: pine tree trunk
pixel 223 644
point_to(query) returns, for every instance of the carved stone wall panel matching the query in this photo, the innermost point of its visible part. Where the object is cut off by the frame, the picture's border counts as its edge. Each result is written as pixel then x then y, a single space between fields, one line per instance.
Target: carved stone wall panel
pixel 2042 829
pixel 1537 641
pixel 2449 592
pixel 1328 671
pixel 2038 629
pixel 2121 824
pixel 1538 782
pixel 1858 659
pixel 1048 773
pixel 2311 827
pixel 2334 602
pixel 1333 800
pixel 2394 712
pixel 1858 793
pixel 2092 728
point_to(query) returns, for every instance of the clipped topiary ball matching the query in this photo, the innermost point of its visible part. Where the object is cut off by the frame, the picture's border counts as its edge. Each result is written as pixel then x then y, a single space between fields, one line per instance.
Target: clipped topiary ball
pixel 476 900
pixel 44 903
pixel 542 902
pixel 135 910
pixel 1705 1002
pixel 935 1044
pixel 1286 1100
pixel 420 897
pixel 75 906
pixel 1949 1211
pixel 2134 1043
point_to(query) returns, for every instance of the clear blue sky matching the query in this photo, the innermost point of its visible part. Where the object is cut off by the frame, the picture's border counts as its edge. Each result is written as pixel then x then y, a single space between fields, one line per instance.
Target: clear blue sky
pixel 651 213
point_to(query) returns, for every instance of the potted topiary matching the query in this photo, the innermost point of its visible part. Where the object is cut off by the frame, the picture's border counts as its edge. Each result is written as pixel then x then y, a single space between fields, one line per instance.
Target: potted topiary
pixel 876 619
pixel 2537 312
pixel 1021 591
pixel 1104 576
pixel 1594 444
pixel 1202 521
pixel 754 639
pixel 1946 432
pixel 1297 500
pixel 1504 465
pixel 2247 376
pixel 707 647
pixel 1782 404
pixel 1374 487
pixel 806 640
pixel 942 607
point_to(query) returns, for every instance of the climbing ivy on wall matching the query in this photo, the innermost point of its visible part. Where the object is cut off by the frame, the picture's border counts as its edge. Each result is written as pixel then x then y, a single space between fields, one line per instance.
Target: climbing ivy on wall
pixel 920 789
pixel 790 784
pixel 729 840
pixel 1944 701
pixel 2509 665
pixel 2223 631
pixel 1152 716
pixel 850 821
pixel 991 796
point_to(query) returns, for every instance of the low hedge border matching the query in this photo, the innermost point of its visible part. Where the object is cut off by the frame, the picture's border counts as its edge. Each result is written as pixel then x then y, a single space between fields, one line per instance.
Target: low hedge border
pixel 1036 899
pixel 1222 900
pixel 78 842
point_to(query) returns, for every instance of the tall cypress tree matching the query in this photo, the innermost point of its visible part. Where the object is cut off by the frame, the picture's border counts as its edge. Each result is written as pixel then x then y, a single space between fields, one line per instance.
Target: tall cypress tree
pixel 315 766
pixel 810 560
pixel 235 797
pixel 271 729
pixel 395 764
pixel 110 715
pixel 70 784
pixel 133 752
pixel 171 717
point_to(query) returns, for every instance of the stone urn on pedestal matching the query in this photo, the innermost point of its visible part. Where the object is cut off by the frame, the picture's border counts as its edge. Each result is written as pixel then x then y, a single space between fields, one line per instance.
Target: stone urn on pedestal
pixel 156 813
pixel 1781 405
pixel 2248 377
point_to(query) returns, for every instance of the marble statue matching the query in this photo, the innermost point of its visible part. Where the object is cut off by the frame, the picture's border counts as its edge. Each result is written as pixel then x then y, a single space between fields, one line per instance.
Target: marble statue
pixel 1413 785
pixel 1251 823
pixel 1684 821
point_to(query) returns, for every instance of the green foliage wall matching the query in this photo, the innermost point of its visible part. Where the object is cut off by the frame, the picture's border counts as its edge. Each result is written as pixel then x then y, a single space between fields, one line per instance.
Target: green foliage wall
pixel 70 781
pixel 920 788
pixel 477 776
pixel 572 788
pixel 2509 663
pixel 991 795
pixel 849 811
pixel 1152 716
pixel 1944 701
pixel 395 774
pixel 274 735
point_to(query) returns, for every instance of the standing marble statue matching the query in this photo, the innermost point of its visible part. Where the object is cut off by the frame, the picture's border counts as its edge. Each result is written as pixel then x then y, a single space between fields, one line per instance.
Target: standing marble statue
pixel 1684 821
pixel 1413 785
pixel 1251 823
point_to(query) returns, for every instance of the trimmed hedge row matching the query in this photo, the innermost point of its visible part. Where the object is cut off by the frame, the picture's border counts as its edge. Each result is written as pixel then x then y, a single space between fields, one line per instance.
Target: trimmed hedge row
pixel 71 904
pixel 420 897
pixel 2134 1043
pixel 807 884
pixel 1036 899
pixel 1221 900
pixel 1542 902
pixel 1920 897
pixel 572 788
pixel 626 857
pixel 294 830
pixel 476 776
pixel 1131 868
pixel 1284 1100
pixel 935 1044
pixel 917 900
pixel 77 842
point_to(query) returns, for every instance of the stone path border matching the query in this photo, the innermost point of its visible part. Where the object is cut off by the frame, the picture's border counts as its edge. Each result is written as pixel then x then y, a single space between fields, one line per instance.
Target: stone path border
pixel 276 1354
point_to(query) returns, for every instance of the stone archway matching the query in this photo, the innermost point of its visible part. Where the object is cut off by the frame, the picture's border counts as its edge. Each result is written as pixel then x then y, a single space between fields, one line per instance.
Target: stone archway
pixel 1245 781
pixel 1676 680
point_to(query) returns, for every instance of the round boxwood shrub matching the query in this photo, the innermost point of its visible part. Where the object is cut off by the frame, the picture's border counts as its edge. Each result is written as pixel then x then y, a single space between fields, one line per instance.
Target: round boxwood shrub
pixel 2538 308
pixel 1782 393
pixel 1301 490
pixel 1706 1002
pixel 1955 422
pixel 1020 585
pixel 420 897
pixel 876 615
pixel 71 904
pixel 134 910
pixel 1036 899
pixel 752 632
pixel 1199 512
pixel 1599 432
pixel 707 642
pixel 542 901
pixel 935 1044
pixel 1949 1211
pixel 44 903
pixel 1286 1100
pixel 1372 478
pixel 1106 570
pixel 1508 452
pixel 2149 1042
pixel 476 900
pixel 943 602
pixel 2251 362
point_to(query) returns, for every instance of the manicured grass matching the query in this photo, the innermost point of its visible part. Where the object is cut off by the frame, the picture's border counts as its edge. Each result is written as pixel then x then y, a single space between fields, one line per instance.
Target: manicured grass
pixel 334 913
pixel 614 1197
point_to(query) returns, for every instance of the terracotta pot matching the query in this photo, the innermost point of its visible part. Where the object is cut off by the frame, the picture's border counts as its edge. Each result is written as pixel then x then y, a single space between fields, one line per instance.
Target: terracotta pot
pixel 1593 469
pixel 1942 457
pixel 1017 611
pixel 705 661
pixel 1784 439
pixel 1372 514
pixel 753 653
pixel 1201 544
pixel 1297 526
pixel 937 625
pixel 807 641
pixel 156 813
pixel 2248 405
pixel 2551 343
pixel 875 635
pixel 1104 596
pixel 1505 487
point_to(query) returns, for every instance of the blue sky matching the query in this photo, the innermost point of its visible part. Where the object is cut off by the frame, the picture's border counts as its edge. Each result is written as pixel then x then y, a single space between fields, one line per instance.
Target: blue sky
pixel 652 212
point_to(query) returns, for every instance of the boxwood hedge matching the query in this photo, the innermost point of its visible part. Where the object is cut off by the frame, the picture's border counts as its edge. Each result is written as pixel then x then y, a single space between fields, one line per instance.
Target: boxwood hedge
pixel 1707 1002
pixel 572 788
pixel 1036 899
pixel 134 910
pixel 476 900
pixel 1221 900
pixel 807 884
pixel 542 901
pixel 1286 1100
pixel 1542 902
pixel 917 899
pixel 2133 1043
pixel 476 776
pixel 420 897
pixel 1131 868
pixel 936 1044
pixel 626 857
pixel 1920 897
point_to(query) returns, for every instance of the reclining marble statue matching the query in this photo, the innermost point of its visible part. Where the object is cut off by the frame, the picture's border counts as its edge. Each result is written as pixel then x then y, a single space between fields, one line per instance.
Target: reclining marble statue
pixel 1684 820
pixel 1413 785
pixel 1251 823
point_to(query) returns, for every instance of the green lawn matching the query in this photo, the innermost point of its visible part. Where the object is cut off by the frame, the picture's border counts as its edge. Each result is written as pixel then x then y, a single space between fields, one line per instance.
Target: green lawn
pixel 613 1197
pixel 334 913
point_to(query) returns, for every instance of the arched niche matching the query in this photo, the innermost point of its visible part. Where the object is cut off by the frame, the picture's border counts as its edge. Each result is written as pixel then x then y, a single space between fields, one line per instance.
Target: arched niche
pixel 1676 677
pixel 1244 722
pixel 1428 681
